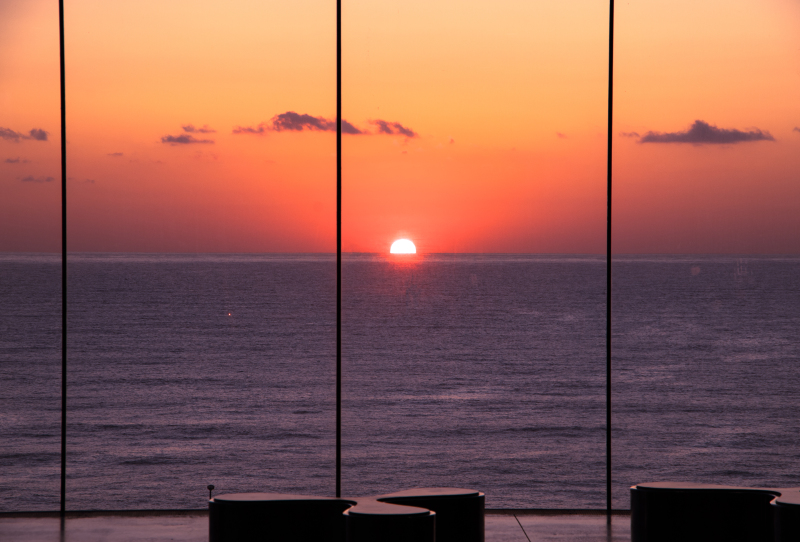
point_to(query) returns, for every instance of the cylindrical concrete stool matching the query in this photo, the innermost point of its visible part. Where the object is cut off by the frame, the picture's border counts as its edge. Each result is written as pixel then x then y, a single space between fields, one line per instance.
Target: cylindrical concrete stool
pixel 373 521
pixel 459 512
pixel 687 512
pixel 275 517
pixel 786 516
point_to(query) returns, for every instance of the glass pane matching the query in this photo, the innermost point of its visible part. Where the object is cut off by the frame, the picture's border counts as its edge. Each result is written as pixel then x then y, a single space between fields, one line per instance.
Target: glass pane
pixel 30 260
pixel 707 224
pixel 479 362
pixel 201 332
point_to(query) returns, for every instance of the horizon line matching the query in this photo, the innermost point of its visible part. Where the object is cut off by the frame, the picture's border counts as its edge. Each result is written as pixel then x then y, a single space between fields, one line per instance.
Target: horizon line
pixel 254 253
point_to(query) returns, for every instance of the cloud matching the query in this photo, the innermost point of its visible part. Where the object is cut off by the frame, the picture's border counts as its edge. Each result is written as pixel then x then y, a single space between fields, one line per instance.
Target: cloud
pixel 202 130
pixel 261 129
pixel 701 132
pixel 12 135
pixel 89 181
pixel 32 179
pixel 9 134
pixel 38 134
pixel 393 128
pixel 796 129
pixel 561 136
pixel 184 139
pixel 115 154
pixel 297 122
pixel 16 160
pixel 629 134
pixel 348 128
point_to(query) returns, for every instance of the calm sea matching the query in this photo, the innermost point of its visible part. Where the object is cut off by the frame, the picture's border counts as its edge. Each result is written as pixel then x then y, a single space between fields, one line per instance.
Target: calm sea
pixel 458 370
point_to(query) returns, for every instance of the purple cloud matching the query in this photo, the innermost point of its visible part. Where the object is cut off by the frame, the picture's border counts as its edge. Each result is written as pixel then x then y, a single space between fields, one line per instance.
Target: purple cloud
pixel 184 139
pixel 202 130
pixel 297 122
pixel 9 134
pixel 393 128
pixel 701 132
pixel 261 129
pixel 629 134
pixel 16 160
pixel 12 135
pixel 796 129
pixel 38 134
pixel 348 128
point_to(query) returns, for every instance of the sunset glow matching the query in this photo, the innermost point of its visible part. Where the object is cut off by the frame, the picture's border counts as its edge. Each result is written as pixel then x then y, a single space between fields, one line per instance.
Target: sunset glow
pixel 486 131
pixel 162 160
pixel 403 246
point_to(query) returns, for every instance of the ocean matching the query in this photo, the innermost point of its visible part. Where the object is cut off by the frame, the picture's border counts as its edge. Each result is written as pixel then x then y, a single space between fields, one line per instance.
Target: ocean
pixel 479 371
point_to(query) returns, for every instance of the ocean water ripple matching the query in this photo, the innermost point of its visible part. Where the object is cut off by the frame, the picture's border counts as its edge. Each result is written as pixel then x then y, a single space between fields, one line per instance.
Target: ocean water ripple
pixel 483 371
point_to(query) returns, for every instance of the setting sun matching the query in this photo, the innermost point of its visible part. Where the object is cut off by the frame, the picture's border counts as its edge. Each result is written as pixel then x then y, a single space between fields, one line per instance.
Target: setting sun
pixel 403 246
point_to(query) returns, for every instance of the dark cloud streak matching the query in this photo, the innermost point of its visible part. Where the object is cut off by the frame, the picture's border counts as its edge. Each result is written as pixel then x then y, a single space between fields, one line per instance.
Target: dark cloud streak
pixel 393 128
pixel 184 139
pixel 701 133
pixel 38 134
pixel 297 122
pixel 9 134
pixel 189 128
pixel 12 135
pixel 261 129
pixel 292 121
pixel 348 128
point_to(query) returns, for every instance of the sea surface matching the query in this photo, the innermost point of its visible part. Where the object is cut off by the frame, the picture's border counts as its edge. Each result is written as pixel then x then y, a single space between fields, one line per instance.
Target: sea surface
pixel 480 371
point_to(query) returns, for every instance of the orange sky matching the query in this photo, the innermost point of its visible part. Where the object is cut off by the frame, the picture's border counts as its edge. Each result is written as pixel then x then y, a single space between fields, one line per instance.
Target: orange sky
pixel 507 101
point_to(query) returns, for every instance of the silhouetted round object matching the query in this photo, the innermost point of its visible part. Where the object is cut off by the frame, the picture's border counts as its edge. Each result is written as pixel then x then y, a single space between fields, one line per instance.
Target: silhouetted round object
pixel 786 516
pixel 459 512
pixel 275 517
pixel 690 512
pixel 407 516
pixel 374 521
